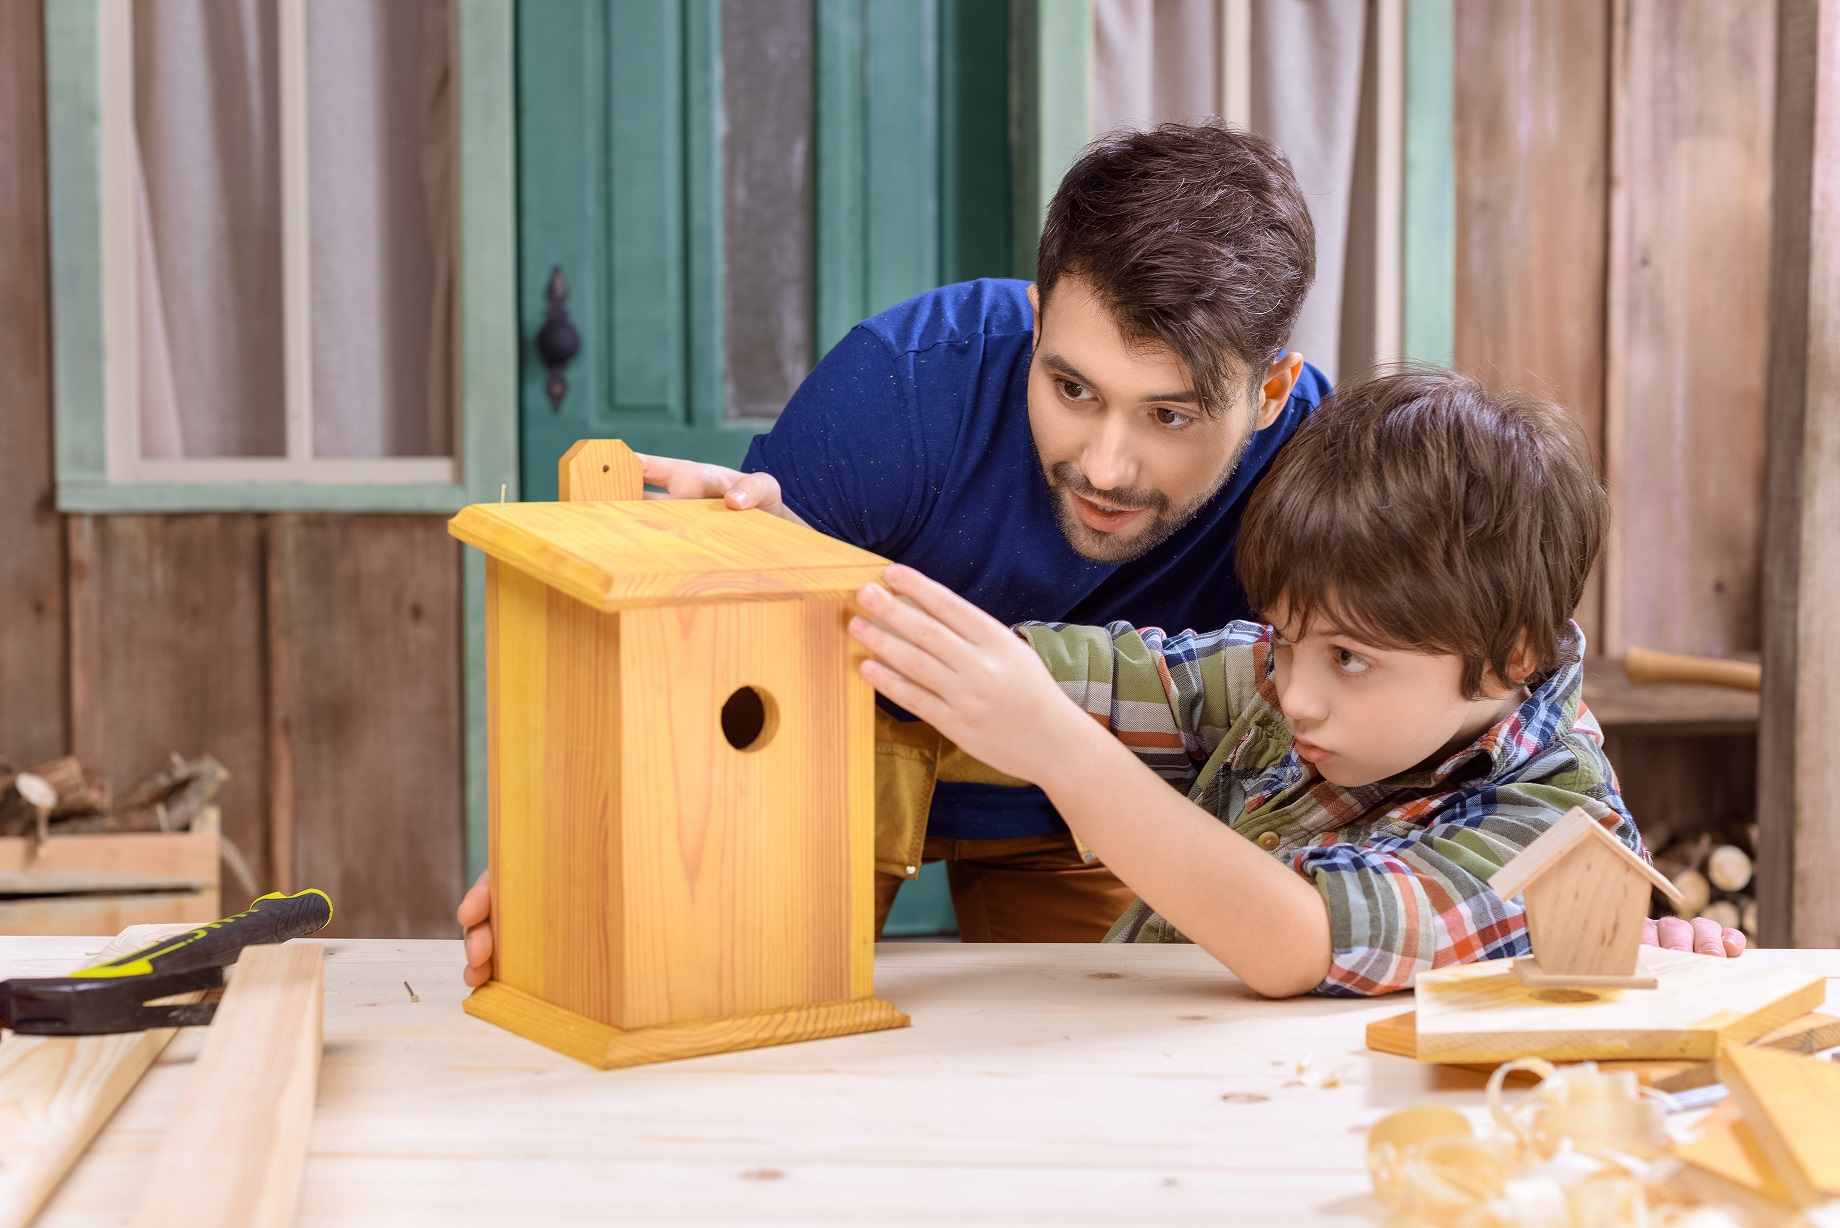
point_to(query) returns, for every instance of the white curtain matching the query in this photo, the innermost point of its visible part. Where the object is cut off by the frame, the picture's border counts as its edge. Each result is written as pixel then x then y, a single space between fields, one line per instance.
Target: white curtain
pixel 381 209
pixel 1159 60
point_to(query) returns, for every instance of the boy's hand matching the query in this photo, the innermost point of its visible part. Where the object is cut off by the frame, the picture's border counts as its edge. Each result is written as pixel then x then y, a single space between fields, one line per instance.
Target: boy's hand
pixel 1702 934
pixel 682 479
pixel 474 915
pixel 965 674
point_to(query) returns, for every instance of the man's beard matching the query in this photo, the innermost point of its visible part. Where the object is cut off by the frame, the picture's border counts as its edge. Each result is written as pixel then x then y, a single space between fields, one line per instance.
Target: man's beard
pixel 1065 480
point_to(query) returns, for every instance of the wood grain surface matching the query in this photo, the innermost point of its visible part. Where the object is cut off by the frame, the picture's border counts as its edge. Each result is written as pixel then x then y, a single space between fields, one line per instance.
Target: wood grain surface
pixel 1482 1012
pixel 34 699
pixel 234 1153
pixel 57 1091
pixel 373 722
pixel 1075 1084
pixel 1695 183
pixel 598 470
pixel 632 554
pixel 1530 111
pixel 1799 775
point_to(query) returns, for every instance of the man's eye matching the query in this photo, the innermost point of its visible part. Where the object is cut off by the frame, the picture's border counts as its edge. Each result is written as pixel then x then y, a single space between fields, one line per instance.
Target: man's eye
pixel 1172 418
pixel 1073 391
pixel 1348 663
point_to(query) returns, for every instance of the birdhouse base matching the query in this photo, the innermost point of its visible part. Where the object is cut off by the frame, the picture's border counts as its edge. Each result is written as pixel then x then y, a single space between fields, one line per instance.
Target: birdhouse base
pixel 598 1044
pixel 1527 968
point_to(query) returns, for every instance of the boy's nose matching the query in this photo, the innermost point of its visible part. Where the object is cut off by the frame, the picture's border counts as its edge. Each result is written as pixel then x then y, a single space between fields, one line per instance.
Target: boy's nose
pixel 1301 703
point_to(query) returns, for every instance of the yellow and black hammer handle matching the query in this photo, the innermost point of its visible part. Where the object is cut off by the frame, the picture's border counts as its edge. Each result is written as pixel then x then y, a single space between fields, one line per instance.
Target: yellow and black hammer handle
pixel 113 996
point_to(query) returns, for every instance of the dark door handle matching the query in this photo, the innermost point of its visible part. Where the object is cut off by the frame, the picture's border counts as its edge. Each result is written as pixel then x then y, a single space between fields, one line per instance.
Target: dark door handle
pixel 557 340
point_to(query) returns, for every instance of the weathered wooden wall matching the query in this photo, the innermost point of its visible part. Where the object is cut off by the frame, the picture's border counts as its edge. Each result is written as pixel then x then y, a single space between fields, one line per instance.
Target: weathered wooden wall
pixel 1613 233
pixel 319 657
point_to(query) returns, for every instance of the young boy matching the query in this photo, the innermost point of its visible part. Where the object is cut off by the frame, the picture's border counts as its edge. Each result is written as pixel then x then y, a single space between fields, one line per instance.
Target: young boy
pixel 1354 772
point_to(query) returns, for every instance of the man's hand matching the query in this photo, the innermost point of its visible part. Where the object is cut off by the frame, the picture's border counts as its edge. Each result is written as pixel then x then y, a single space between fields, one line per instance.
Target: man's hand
pixel 682 479
pixel 965 674
pixel 475 915
pixel 1702 934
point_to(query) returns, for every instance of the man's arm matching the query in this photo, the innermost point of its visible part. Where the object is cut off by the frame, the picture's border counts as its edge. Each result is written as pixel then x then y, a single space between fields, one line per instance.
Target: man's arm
pixel 964 673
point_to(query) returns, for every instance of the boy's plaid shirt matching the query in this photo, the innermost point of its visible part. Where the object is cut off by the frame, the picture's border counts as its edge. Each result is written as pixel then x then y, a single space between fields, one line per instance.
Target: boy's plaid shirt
pixel 1403 864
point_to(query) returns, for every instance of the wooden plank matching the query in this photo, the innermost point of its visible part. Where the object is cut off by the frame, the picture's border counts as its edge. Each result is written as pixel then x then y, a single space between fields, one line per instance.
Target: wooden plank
pixel 107 914
pixel 1672 707
pixel 234 1154
pixel 1398 1035
pixel 175 632
pixel 1791 1106
pixel 122 861
pixel 1531 166
pixel 1696 132
pixel 33 713
pixel 1482 1012
pixel 653 552
pixel 56 1092
pixel 373 655
pixel 1799 800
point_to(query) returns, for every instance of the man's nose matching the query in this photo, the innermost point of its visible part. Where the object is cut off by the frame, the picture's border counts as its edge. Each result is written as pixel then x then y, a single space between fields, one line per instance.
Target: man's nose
pixel 1107 462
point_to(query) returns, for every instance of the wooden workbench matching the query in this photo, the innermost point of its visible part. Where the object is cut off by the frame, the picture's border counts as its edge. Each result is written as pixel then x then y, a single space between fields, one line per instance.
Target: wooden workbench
pixel 1038 1084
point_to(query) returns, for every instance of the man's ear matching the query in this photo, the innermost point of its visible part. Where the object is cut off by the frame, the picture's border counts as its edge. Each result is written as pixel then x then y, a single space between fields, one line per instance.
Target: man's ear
pixel 1035 310
pixel 1280 378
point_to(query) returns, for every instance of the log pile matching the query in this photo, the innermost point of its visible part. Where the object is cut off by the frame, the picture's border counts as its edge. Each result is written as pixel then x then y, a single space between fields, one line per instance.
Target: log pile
pixel 63 798
pixel 1713 871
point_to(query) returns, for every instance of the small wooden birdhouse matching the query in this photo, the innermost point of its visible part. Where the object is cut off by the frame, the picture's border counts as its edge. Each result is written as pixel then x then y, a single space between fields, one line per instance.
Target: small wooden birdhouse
pixel 1586 895
pixel 680 760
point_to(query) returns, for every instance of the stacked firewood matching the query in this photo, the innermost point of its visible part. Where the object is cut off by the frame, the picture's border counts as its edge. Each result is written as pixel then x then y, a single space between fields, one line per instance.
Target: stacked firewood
pixel 63 798
pixel 1713 873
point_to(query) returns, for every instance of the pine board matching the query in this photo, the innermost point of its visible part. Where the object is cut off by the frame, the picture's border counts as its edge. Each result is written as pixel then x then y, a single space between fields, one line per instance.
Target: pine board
pixel 1482 1012
pixel 1791 1107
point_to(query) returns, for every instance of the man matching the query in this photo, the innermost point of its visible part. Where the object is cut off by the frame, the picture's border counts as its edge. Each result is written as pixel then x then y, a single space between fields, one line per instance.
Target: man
pixel 1079 449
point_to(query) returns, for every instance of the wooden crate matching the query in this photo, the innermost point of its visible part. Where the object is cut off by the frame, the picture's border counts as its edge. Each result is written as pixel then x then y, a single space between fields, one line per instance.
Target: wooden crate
pixel 100 884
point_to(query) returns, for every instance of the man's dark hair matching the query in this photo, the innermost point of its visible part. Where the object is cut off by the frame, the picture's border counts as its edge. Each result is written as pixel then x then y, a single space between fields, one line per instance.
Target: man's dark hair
pixel 1420 511
pixel 1194 235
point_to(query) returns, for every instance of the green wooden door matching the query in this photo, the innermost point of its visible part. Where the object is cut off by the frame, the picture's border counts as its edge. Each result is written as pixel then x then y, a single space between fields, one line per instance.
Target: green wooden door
pixel 626 183
pixel 928 128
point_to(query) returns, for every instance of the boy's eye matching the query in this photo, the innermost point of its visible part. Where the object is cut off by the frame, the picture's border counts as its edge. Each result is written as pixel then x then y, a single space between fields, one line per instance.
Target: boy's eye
pixel 1171 418
pixel 1348 663
pixel 1073 391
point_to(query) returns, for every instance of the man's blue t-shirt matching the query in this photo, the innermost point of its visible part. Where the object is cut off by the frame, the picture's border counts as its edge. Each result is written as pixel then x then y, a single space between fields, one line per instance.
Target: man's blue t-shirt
pixel 911 439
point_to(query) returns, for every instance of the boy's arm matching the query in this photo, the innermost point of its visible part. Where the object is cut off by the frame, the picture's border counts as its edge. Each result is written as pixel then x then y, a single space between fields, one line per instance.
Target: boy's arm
pixel 1169 699
pixel 1408 898
pixel 964 673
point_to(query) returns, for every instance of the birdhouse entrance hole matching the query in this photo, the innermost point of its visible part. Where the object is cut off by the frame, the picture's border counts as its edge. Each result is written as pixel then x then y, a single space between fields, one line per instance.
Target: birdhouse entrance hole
pixel 749 718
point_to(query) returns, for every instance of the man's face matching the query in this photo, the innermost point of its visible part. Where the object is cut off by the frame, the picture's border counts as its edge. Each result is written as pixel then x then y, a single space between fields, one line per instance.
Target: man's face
pixel 1127 451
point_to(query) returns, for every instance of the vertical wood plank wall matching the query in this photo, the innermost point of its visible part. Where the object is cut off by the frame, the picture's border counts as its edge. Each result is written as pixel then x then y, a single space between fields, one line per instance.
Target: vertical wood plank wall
pixel 33 703
pixel 1612 166
pixel 317 656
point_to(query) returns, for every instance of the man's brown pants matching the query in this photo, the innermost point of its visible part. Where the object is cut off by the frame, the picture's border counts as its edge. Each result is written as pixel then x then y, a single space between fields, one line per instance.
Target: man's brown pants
pixel 1029 889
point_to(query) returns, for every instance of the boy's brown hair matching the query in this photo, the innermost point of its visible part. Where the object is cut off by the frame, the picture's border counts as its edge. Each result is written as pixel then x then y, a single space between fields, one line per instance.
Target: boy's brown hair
pixel 1420 511
pixel 1193 235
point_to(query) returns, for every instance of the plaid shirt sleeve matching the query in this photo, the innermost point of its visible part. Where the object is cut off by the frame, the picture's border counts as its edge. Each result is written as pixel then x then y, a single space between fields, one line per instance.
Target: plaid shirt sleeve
pixel 1412 894
pixel 1170 698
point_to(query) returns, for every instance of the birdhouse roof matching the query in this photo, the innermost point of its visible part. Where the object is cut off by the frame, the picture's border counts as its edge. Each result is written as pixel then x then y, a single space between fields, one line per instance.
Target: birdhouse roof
pixel 649 552
pixel 1567 838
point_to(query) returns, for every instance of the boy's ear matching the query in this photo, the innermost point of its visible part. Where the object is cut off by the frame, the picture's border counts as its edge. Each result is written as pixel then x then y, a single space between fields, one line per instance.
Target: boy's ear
pixel 1522 662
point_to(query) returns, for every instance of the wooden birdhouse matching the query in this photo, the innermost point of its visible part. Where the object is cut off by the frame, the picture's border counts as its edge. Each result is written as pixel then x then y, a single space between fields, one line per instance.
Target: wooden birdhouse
pixel 680 760
pixel 1586 895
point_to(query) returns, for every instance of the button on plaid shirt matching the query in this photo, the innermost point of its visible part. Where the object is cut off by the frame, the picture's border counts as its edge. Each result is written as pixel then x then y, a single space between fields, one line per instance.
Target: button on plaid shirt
pixel 1403 863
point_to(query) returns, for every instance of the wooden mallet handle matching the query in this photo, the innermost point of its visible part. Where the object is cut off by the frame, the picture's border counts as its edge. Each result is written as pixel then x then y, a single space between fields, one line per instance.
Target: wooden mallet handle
pixel 1645 665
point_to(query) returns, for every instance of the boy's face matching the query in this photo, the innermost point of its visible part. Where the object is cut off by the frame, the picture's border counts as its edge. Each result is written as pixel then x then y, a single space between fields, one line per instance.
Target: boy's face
pixel 1126 448
pixel 1361 714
